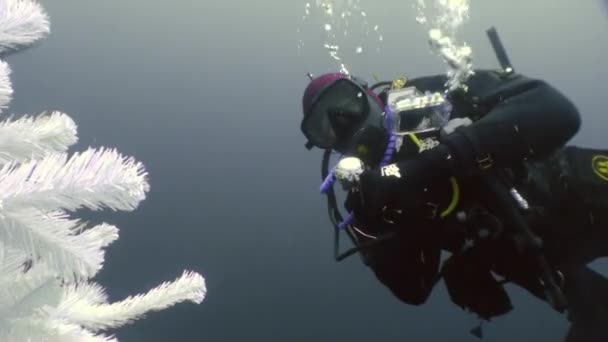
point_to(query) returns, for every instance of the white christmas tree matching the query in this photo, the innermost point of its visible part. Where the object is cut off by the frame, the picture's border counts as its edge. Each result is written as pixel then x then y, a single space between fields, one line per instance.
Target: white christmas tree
pixel 47 258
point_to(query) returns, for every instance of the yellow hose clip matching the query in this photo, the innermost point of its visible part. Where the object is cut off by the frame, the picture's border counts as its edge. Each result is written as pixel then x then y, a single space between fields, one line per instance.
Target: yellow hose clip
pixel 399 83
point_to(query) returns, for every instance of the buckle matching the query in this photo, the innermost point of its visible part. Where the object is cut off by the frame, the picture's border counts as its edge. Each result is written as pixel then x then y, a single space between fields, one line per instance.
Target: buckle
pixel 485 162
pixel 387 213
pixel 399 83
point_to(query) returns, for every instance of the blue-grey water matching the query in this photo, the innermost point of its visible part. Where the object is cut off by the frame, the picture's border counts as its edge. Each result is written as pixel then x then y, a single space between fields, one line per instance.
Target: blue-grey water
pixel 207 95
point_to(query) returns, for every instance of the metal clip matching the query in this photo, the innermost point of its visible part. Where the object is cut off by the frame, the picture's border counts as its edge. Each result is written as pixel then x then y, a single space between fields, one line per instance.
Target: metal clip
pixel 523 204
pixel 485 162
pixel 399 83
pixel 395 212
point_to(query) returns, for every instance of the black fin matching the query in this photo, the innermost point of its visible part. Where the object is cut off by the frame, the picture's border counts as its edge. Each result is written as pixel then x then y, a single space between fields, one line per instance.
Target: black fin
pixel 477 332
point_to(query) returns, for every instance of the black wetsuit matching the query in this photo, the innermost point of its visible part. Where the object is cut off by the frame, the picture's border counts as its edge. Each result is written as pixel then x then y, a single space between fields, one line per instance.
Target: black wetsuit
pixel 515 118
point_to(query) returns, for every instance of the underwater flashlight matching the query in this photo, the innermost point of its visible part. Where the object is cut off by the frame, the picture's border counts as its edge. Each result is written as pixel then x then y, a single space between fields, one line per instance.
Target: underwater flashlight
pixel 348 171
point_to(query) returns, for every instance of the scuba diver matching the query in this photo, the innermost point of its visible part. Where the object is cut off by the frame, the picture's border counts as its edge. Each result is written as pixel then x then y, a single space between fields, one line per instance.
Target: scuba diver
pixel 483 173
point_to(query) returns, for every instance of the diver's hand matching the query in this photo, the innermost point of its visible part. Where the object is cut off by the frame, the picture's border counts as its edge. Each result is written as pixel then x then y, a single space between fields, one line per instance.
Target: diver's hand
pixel 393 182
pixel 405 182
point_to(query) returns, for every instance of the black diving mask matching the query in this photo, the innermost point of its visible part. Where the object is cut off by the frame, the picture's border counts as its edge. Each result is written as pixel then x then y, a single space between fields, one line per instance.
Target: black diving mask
pixel 337 113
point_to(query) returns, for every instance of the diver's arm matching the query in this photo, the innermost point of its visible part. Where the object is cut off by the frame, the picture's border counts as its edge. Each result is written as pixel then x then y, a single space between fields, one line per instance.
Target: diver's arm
pixel 529 119
pixel 524 118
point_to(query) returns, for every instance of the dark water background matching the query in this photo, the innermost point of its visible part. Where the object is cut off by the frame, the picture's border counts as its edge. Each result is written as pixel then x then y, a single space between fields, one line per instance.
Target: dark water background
pixel 207 95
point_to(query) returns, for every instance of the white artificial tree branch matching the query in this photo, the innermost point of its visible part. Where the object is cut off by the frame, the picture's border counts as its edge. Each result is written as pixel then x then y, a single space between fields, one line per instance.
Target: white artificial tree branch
pixel 12 263
pixel 52 236
pixel 22 23
pixel 6 86
pixel 77 307
pixel 47 259
pixel 72 332
pixel 39 329
pixel 35 137
pixel 28 292
pixel 93 179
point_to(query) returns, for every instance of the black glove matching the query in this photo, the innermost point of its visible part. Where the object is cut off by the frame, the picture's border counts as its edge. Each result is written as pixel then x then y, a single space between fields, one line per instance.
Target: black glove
pixel 405 183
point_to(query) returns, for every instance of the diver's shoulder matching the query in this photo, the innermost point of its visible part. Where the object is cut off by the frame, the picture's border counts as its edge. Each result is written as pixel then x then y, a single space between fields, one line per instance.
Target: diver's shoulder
pixel 500 75
pixel 481 79
pixel 428 82
pixel 497 80
pixel 477 74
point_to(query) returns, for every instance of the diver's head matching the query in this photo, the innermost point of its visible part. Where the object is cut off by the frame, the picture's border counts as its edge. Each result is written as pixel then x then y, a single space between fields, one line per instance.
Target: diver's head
pixel 336 107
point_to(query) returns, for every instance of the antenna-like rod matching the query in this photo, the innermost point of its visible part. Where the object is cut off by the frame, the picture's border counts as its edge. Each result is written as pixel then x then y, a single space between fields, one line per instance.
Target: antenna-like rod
pixel 499 50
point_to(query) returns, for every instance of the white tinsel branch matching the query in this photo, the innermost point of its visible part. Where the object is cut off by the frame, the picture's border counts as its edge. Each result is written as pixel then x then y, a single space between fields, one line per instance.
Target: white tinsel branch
pixel 46 258
pixel 6 87
pixel 40 311
pixel 13 262
pixel 41 330
pixel 22 23
pixel 35 137
pixel 53 237
pixel 28 292
pixel 92 179
pixel 77 306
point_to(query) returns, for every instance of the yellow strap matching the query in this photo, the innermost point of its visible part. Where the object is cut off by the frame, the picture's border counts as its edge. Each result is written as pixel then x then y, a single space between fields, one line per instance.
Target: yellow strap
pixel 415 140
pixel 455 198
pixel 455 185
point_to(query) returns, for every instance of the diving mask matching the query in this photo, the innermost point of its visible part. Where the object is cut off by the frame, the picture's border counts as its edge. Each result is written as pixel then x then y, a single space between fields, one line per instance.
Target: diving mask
pixel 337 112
